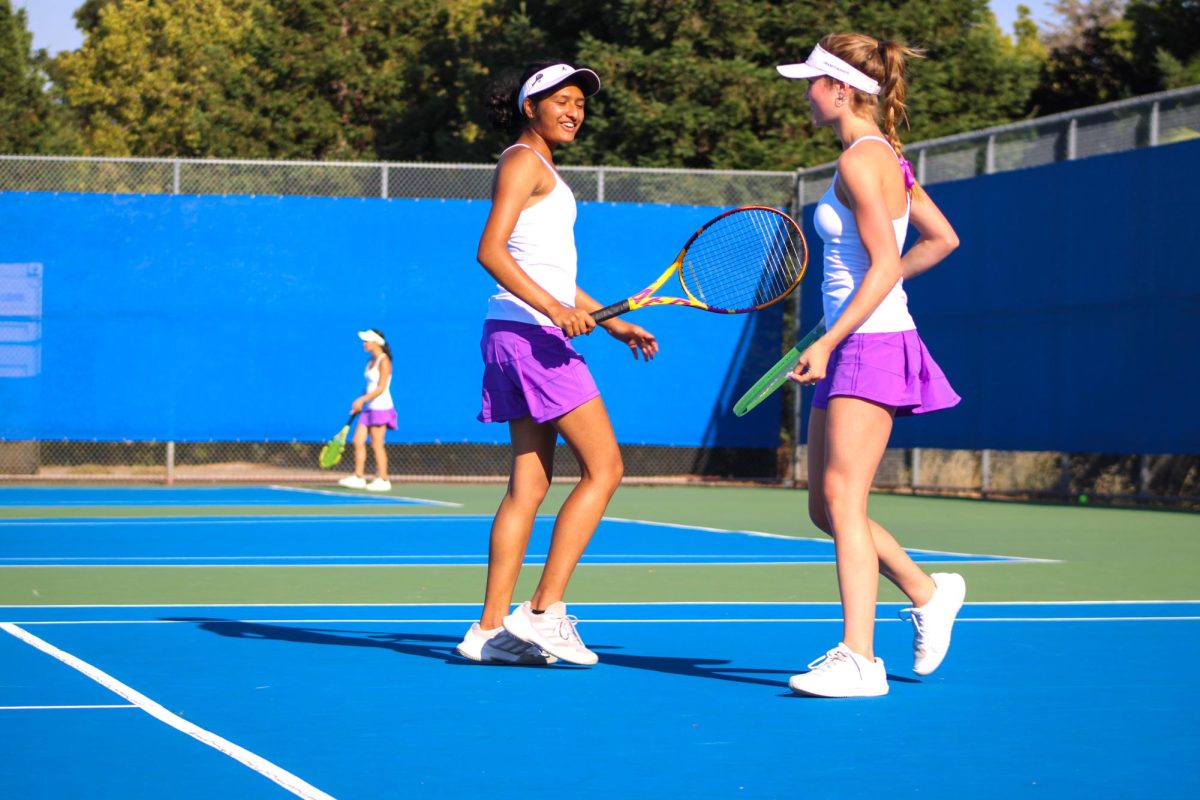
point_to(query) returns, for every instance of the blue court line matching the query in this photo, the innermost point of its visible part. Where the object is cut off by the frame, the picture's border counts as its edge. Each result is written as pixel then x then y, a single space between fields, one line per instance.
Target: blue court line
pixel 19 496
pixel 379 540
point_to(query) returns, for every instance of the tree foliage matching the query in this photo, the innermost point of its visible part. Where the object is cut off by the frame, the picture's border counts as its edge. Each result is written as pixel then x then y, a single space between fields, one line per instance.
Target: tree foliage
pixel 686 82
pixel 1108 50
pixel 25 110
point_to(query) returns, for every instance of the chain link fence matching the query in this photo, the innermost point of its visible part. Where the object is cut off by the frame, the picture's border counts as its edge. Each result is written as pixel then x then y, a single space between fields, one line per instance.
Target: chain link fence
pixel 1151 120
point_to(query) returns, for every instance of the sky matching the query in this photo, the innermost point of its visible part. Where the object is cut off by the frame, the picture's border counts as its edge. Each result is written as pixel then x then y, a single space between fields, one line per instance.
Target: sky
pixel 53 24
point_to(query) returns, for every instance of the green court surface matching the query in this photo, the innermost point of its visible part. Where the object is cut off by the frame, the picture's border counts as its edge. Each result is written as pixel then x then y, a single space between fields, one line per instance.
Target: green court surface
pixel 1089 553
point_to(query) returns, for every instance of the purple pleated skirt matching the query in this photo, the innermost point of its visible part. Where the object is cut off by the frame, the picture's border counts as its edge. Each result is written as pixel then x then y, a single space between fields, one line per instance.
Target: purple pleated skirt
pixel 372 417
pixel 892 369
pixel 531 371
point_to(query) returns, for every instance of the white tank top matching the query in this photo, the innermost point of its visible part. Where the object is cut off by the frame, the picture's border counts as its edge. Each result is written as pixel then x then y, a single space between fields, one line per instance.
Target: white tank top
pixel 384 401
pixel 543 244
pixel 847 262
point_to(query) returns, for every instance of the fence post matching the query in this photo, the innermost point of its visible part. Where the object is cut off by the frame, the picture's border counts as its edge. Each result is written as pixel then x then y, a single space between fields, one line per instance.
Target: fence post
pixel 1072 138
pixel 915 471
pixel 1154 122
pixel 989 158
pixel 599 184
pixel 1064 479
pixel 985 471
pixel 383 182
pixel 921 165
pixel 170 463
pixel 175 176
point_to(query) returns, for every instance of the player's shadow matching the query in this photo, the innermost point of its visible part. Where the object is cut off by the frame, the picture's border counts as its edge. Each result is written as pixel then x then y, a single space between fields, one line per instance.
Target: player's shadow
pixel 424 645
pixel 711 668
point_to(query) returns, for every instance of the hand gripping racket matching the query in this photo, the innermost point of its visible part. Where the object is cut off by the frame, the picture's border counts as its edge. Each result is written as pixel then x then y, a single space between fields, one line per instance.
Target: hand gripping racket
pixel 331 453
pixel 776 376
pixel 743 260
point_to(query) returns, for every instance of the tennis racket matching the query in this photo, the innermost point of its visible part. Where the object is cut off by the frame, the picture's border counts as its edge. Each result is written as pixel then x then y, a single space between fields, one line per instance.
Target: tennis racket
pixel 743 260
pixel 776 376
pixel 331 453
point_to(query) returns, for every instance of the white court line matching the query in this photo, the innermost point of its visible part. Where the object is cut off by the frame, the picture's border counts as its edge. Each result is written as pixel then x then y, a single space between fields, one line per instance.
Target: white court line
pixel 822 539
pixel 257 763
pixel 596 603
pixel 314 519
pixel 56 708
pixel 376 496
pixel 587 621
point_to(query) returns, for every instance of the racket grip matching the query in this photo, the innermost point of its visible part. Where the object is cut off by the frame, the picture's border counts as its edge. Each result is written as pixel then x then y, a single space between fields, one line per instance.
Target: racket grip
pixel 608 312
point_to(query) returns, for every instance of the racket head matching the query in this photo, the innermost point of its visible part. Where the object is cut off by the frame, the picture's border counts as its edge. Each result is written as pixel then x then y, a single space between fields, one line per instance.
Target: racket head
pixel 777 375
pixel 745 259
pixel 331 453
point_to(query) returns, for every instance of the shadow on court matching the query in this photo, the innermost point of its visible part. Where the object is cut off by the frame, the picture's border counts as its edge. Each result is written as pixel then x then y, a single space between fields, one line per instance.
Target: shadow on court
pixel 440 647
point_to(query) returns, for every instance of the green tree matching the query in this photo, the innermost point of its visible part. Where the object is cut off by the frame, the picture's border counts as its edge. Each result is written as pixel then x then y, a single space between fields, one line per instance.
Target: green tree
pixel 687 82
pixel 26 124
pixel 1166 48
pixel 169 79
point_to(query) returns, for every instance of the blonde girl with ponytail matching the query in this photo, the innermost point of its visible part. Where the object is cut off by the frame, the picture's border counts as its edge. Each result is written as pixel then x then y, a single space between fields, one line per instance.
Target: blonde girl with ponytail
pixel 870 366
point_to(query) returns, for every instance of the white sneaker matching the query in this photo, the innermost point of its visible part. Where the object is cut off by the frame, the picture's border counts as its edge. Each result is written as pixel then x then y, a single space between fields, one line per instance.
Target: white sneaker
pixel 933 621
pixel 353 482
pixel 842 673
pixel 379 485
pixel 553 631
pixel 500 646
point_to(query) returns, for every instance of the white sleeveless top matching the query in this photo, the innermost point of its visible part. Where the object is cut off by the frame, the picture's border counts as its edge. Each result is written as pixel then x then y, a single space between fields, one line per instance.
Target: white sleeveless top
pixel 384 401
pixel 847 262
pixel 543 244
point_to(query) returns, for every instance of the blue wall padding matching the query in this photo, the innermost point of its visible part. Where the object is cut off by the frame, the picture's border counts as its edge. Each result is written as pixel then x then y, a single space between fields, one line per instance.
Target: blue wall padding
pixel 1068 317
pixel 220 318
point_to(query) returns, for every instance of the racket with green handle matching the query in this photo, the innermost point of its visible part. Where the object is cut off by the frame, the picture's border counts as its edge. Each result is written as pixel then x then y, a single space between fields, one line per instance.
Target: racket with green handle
pixel 776 376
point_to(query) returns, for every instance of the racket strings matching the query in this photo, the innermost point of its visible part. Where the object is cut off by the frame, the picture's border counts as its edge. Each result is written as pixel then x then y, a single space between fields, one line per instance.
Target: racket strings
pixel 744 260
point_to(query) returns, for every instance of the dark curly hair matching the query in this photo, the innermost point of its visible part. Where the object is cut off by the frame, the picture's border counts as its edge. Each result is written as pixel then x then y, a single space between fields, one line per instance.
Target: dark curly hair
pixel 502 95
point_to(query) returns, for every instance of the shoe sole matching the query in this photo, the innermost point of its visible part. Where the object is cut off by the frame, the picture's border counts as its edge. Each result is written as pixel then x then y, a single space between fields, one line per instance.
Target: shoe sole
pixel 517 627
pixel 803 693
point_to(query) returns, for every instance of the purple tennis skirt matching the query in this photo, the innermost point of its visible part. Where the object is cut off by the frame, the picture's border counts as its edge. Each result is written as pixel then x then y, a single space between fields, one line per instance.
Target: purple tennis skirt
pixel 531 371
pixel 371 417
pixel 892 369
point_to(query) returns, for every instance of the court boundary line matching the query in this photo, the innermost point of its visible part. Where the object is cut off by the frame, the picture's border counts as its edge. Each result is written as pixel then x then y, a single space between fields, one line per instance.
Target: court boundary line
pixel 589 621
pixel 267 769
pixel 377 496
pixel 64 708
pixel 603 603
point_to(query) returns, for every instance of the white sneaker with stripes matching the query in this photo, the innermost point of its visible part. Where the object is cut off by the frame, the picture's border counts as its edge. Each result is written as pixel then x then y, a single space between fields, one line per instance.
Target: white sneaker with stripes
pixel 553 631
pixel 498 646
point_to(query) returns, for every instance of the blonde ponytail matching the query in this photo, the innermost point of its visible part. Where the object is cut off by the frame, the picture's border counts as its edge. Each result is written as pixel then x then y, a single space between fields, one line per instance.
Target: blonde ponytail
pixel 884 61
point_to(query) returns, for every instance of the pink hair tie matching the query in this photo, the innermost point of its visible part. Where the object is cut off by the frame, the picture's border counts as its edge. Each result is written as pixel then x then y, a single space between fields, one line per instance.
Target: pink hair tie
pixel 909 178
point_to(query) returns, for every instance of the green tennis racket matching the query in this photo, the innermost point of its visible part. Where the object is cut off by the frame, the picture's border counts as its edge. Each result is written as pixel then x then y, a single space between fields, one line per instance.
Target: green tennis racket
pixel 777 375
pixel 331 453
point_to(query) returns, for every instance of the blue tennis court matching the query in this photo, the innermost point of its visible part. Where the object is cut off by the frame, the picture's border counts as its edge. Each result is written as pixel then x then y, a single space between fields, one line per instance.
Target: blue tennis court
pixel 689 700
pixel 196 496
pixel 389 540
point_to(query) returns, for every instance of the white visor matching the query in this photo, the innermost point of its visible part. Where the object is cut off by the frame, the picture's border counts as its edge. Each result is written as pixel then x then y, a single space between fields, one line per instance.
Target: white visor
pixel 821 62
pixel 371 336
pixel 552 76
